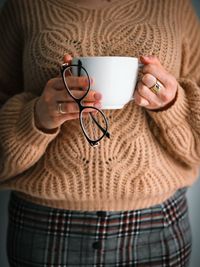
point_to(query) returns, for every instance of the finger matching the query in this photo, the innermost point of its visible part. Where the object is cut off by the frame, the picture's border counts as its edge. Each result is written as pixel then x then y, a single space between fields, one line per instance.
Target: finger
pixel 57 90
pixel 147 94
pixel 154 67
pixel 149 80
pixel 56 84
pixel 72 107
pixel 158 72
pixel 92 96
pixel 165 94
pixel 72 82
pixel 139 100
pixel 151 59
pixel 78 82
pixel 67 58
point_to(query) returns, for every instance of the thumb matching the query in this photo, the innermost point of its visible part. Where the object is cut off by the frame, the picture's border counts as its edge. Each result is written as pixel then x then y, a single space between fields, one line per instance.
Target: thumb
pixel 149 60
pixel 67 58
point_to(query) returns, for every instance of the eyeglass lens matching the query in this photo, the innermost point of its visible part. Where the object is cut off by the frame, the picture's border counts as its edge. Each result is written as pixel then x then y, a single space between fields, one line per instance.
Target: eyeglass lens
pixel 94 124
pixel 77 71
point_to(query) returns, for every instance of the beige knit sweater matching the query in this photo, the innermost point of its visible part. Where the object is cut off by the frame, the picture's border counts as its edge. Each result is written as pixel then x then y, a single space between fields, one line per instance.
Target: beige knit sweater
pixel 150 154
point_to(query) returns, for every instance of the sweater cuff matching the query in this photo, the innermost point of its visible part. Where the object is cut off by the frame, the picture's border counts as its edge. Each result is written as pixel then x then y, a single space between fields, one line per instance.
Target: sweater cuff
pixel 174 115
pixel 26 128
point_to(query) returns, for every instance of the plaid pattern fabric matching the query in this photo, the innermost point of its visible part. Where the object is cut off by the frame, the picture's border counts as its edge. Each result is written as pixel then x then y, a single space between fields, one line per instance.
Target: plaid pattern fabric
pixel 40 236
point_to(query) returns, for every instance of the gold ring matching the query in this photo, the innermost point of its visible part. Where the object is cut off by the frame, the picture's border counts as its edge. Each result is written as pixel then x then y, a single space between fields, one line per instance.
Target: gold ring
pixel 156 88
pixel 59 109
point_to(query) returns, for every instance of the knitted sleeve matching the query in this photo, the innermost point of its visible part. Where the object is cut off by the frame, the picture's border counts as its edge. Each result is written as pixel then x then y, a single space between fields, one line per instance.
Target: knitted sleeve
pixel 178 128
pixel 21 143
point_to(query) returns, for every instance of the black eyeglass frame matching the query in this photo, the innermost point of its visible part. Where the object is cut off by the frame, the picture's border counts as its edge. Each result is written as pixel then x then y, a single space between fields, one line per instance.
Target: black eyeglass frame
pixel 64 68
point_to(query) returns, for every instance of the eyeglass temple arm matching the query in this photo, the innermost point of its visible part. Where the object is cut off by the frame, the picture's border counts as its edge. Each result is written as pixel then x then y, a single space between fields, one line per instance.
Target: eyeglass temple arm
pixel 107 134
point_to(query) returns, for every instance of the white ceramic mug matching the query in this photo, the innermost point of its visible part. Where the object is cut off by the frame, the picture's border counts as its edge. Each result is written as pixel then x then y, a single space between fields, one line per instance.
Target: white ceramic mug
pixel 114 77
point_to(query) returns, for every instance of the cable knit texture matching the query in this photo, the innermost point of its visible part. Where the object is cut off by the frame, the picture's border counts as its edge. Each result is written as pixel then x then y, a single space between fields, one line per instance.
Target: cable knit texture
pixel 150 154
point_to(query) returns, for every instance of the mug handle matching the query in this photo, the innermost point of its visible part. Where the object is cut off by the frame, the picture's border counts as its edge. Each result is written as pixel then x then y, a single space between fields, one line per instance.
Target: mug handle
pixel 140 67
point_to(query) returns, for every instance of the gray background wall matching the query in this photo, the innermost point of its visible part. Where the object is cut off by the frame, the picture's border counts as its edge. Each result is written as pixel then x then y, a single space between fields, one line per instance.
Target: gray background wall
pixel 193 200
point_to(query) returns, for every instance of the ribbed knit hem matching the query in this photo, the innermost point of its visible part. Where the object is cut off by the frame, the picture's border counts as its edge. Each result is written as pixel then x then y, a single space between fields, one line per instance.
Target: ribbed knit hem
pixel 101 204
pixel 174 115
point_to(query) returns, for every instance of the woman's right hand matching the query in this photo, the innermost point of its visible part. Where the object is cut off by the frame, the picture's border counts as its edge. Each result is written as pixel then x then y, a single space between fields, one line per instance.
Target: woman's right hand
pixel 47 116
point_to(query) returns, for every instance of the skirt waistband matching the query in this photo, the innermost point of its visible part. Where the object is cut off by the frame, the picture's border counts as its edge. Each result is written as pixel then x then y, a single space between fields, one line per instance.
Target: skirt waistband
pixel 22 212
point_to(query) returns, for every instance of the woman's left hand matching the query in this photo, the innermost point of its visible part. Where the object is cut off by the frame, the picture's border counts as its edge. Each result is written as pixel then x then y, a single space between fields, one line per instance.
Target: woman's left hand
pixel 163 95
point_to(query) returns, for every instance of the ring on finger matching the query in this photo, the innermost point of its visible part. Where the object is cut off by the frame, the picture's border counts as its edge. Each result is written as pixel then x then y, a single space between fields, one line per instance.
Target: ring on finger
pixel 60 108
pixel 156 87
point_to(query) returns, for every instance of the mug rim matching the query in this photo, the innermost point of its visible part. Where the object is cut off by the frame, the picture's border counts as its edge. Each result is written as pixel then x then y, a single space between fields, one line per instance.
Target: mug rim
pixel 106 57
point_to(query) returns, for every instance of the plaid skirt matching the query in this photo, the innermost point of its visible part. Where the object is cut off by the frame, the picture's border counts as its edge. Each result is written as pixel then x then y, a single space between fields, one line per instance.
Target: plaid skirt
pixel 40 236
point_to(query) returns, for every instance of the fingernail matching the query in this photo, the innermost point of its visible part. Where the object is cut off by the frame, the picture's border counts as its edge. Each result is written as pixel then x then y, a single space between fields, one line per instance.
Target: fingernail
pixel 97 96
pixel 144 102
pixel 144 57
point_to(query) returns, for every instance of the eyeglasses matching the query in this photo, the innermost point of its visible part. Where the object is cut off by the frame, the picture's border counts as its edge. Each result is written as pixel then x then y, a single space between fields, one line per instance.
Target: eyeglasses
pixel 94 124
